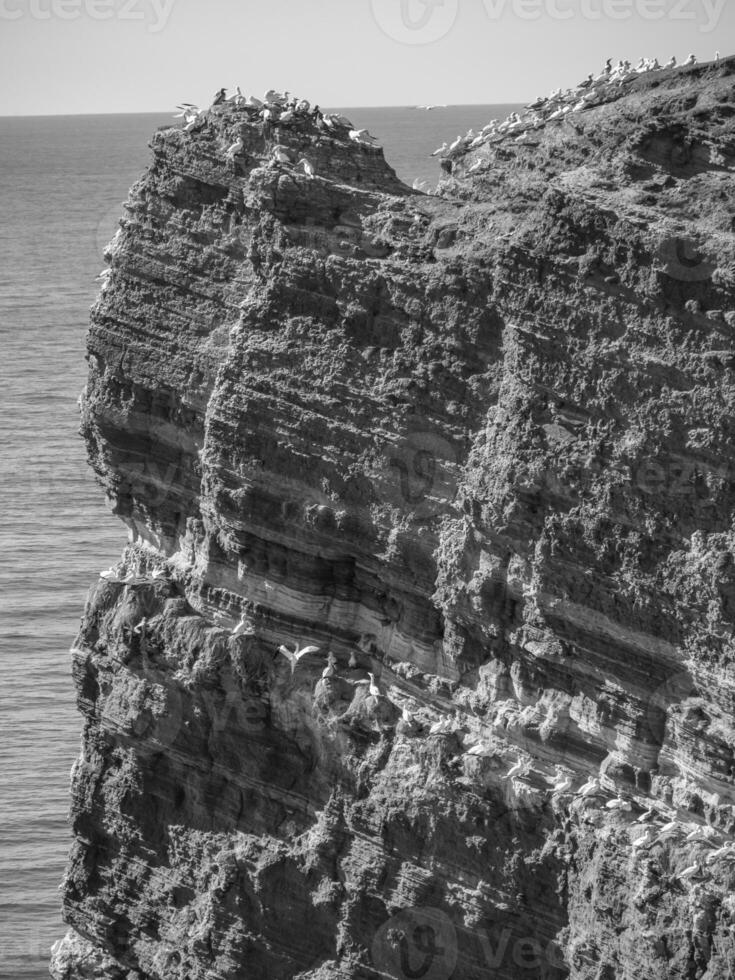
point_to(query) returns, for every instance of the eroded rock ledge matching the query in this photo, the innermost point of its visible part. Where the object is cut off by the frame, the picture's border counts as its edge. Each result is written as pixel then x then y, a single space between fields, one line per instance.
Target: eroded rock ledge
pixel 478 443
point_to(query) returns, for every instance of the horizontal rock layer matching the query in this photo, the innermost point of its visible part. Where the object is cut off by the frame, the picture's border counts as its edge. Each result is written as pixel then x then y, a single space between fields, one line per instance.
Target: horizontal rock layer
pixel 477 444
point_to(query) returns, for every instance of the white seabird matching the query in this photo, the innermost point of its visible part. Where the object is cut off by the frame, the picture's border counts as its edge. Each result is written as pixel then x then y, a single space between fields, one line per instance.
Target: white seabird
pixel 650 814
pixel 306 167
pixel 645 840
pixel 672 63
pixel 591 788
pixel 362 136
pixel 110 574
pixel 293 656
pixel 719 853
pixel 440 727
pixel 442 149
pixel 701 833
pixel 140 627
pixel 691 60
pixel 329 671
pixel 619 803
pixel 353 660
pixel 689 872
pixel 481 750
pixel 374 690
pixel 187 111
pixel 236 148
pixel 562 782
pixel 243 628
pixel 281 155
pixel 514 770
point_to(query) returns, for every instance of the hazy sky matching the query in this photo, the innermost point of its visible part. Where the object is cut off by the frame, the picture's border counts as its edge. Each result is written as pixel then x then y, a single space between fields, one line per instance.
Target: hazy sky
pixel 70 56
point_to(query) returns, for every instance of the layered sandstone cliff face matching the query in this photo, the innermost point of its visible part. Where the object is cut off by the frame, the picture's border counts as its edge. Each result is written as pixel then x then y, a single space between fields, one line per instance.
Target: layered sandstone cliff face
pixel 479 444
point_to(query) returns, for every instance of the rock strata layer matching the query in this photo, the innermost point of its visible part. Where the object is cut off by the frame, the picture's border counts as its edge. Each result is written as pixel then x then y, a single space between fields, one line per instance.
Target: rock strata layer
pixel 476 444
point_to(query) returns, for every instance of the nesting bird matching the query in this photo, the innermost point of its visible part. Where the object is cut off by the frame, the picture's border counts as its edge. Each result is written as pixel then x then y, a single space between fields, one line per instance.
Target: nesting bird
pixel 514 770
pixel 306 167
pixel 645 840
pixel 619 803
pixel 650 814
pixel 374 691
pixel 440 727
pixel 591 788
pixel 361 136
pixel 274 97
pixel 562 783
pixel 720 853
pixel 281 155
pixel 236 148
pixel 243 628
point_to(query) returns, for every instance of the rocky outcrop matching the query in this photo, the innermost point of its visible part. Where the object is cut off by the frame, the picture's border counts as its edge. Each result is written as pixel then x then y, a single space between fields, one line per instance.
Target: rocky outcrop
pixel 478 444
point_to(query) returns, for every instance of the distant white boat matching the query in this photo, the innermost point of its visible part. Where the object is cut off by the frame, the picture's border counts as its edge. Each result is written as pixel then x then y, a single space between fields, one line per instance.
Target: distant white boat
pixel 429 107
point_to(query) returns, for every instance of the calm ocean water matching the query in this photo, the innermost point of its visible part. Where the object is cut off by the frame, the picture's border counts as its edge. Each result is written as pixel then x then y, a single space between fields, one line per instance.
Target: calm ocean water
pixel 62 181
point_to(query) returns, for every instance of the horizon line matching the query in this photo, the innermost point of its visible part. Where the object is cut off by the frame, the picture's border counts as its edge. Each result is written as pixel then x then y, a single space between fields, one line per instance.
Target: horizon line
pixel 163 112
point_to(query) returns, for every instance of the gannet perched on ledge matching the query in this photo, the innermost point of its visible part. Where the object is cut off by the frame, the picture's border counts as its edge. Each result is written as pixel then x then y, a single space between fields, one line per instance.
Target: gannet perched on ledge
pixel 306 167
pixel 236 148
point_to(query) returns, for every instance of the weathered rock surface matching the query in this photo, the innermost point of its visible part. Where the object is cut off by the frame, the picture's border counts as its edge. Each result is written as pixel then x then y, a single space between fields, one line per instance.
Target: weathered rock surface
pixel 479 444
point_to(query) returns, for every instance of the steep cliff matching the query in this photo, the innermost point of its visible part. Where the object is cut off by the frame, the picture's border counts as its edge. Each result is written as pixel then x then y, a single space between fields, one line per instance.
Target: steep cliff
pixel 478 444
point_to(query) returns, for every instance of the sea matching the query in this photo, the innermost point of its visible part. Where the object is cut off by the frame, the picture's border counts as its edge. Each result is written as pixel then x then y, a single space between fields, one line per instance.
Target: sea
pixel 62 183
